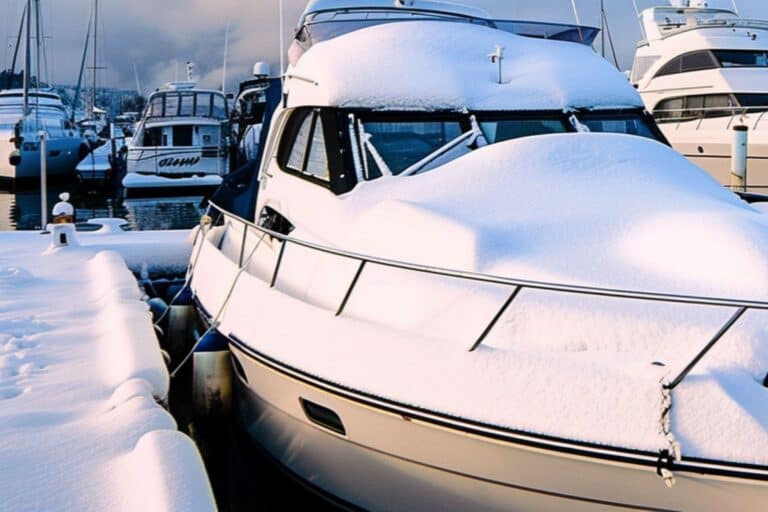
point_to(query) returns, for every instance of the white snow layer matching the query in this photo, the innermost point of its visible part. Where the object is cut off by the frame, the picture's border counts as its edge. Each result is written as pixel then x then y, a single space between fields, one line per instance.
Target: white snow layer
pixel 80 378
pixel 378 68
pixel 591 209
pixel 133 180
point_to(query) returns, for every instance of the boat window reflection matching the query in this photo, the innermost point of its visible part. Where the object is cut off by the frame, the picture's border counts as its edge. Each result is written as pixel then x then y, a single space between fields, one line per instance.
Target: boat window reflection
pixel 629 124
pixel 507 129
pixel 401 143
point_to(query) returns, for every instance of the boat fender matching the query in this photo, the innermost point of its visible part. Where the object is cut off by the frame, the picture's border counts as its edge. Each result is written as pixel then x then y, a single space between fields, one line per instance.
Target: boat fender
pixel 179 295
pixel 157 307
pixel 15 158
pixel 212 376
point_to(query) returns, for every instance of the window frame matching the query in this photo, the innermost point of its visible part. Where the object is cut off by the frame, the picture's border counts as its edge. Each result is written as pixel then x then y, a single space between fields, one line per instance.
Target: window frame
pixel 662 72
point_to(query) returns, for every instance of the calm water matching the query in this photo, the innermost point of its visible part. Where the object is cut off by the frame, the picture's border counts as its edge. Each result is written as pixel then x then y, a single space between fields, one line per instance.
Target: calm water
pixel 20 210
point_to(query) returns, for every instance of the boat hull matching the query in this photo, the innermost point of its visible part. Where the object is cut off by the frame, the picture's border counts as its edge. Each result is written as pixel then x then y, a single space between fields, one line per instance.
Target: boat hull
pixel 390 458
pixel 64 154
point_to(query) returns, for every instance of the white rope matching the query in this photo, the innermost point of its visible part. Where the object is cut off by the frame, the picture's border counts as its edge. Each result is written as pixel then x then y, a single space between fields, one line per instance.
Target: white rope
pixel 215 322
pixel 674 451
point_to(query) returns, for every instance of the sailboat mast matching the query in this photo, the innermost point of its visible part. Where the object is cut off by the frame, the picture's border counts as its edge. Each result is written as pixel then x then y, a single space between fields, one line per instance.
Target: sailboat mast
pixel 16 49
pixel 95 57
pixel 602 26
pixel 38 43
pixel 28 57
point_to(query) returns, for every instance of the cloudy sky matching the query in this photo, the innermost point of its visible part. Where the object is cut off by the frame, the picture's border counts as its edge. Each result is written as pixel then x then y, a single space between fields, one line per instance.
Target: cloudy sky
pixel 159 36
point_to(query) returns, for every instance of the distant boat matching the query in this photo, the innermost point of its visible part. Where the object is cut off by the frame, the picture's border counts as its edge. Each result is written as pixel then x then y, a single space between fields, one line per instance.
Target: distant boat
pixel 47 113
pixel 182 140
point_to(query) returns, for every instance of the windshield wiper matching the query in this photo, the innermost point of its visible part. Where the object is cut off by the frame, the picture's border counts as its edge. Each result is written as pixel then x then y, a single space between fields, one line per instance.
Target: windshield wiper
pixel 472 139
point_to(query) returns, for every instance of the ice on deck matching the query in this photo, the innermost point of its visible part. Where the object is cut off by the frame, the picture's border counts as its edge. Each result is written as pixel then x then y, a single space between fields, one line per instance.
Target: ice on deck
pixel 81 375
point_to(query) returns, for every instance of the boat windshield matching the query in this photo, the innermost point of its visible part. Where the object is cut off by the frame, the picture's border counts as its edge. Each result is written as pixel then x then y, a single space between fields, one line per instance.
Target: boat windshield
pixel 187 104
pixel 325 25
pixel 742 58
pixel 404 144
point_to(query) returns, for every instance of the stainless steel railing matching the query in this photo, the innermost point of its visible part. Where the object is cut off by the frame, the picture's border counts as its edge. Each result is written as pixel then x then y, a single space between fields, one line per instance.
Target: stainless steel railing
pixel 517 286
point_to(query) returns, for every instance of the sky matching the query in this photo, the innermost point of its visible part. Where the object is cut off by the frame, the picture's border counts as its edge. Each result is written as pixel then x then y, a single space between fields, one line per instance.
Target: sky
pixel 158 37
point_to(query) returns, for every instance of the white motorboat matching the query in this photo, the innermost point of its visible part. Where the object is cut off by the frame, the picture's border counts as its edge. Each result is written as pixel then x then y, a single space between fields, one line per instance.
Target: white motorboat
pixel 702 70
pixel 434 309
pixel 47 114
pixel 181 142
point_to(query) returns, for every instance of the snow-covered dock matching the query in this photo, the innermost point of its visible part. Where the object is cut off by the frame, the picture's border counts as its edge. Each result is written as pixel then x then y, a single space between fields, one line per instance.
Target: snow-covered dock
pixel 82 376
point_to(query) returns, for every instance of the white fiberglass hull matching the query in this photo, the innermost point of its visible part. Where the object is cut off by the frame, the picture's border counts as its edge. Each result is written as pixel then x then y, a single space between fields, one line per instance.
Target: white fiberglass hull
pixel 167 168
pixel 392 457
pixel 63 156
pixel 708 143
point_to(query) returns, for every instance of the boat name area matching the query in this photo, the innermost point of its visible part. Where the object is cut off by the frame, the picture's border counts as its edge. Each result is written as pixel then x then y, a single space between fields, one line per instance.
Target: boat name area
pixel 179 162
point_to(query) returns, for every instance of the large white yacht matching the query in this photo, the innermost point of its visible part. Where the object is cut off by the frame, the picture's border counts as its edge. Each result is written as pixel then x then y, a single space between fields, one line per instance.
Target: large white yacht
pixel 702 70
pixel 396 326
pixel 46 113
pixel 182 140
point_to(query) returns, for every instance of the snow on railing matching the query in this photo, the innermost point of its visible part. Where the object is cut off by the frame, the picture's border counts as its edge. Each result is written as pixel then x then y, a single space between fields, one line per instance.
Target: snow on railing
pixel 517 286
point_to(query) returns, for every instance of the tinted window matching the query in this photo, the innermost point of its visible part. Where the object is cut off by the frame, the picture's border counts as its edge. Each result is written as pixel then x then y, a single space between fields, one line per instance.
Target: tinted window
pixel 219 107
pixel 695 61
pixel 203 106
pixel 171 105
pixel 630 124
pixel 156 107
pixel 753 101
pixel 672 67
pixel 401 143
pixel 742 58
pixel 695 107
pixel 187 105
pixel 182 135
pixel 501 130
pixel 152 137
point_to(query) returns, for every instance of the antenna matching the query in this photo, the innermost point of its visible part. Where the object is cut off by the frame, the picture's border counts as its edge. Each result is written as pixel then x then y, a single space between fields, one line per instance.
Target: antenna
pixel 226 54
pixel 575 12
pixel 282 44
pixel 639 20
pixel 735 8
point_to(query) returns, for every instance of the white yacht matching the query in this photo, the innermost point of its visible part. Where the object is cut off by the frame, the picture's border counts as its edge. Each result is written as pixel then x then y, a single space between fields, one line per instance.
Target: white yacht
pixel 397 332
pixel 182 140
pixel 47 113
pixel 702 70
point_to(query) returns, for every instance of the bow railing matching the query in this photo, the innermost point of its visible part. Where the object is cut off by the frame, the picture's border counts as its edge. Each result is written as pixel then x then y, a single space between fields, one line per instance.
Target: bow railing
pixel 516 286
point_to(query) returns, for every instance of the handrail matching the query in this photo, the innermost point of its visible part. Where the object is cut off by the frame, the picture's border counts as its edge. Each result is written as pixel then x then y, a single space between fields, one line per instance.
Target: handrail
pixel 742 306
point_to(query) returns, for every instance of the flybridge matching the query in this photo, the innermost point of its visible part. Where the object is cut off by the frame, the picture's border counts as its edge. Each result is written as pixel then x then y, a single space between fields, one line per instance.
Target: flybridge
pixel 327 19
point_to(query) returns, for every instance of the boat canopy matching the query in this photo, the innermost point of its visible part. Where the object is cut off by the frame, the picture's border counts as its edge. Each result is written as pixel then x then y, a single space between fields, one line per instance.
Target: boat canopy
pixel 327 20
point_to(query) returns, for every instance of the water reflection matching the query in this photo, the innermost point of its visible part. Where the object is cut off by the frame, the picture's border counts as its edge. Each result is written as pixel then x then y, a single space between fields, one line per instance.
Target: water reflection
pixel 20 210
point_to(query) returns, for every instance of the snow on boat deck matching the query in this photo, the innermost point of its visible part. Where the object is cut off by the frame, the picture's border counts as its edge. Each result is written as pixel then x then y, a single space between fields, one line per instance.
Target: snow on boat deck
pixel 81 375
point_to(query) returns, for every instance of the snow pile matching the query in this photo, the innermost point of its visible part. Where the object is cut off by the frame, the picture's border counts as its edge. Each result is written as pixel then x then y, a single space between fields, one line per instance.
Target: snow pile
pixel 80 377
pixel 134 180
pixel 601 210
pixel 451 70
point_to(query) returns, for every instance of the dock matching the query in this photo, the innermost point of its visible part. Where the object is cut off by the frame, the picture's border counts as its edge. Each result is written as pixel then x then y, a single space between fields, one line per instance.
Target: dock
pixel 82 376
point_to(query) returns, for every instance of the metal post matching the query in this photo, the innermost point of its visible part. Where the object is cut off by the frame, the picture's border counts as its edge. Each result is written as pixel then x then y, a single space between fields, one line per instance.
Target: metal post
pixel 43 180
pixel 739 153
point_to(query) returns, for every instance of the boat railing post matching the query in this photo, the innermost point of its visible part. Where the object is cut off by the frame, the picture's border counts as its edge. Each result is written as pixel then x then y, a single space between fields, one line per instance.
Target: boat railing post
pixel 242 245
pixel 351 288
pixel 739 154
pixel 43 180
pixel 278 264
pixel 717 337
pixel 496 319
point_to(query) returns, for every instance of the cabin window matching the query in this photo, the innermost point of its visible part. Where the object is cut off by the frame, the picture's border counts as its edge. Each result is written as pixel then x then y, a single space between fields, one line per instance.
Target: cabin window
pixel 399 143
pixel 152 137
pixel 203 105
pixel 219 107
pixel 630 124
pixel 156 107
pixel 742 58
pixel 695 107
pixel 694 61
pixel 182 135
pixel 171 105
pixel 507 129
pixel 308 154
pixel 753 102
pixel 187 105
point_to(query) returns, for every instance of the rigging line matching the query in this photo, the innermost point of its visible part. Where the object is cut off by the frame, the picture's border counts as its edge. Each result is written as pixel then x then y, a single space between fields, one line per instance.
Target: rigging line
pixel 578 19
pixel 735 8
pixel 610 41
pixel 639 20
pixel 282 44
pixel 45 51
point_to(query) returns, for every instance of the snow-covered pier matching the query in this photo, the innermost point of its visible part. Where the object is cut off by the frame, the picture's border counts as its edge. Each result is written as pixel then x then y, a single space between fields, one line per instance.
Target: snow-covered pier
pixel 82 377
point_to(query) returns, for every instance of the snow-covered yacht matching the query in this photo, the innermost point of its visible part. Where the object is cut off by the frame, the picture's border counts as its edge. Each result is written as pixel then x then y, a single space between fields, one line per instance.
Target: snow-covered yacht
pixel 477 278
pixel 47 113
pixel 182 140
pixel 702 70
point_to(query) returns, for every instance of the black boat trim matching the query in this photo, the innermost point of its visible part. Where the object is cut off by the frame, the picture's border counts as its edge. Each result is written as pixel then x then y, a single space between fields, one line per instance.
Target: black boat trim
pixel 538 441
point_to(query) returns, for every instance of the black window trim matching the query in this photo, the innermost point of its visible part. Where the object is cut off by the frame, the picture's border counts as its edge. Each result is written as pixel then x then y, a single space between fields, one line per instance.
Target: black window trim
pixel 713 59
pixel 296 120
pixel 701 113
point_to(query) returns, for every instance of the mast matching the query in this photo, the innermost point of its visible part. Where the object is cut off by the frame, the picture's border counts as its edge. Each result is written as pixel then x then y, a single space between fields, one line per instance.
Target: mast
pixel 602 26
pixel 92 114
pixel 16 49
pixel 79 89
pixel 226 57
pixel 28 57
pixel 37 64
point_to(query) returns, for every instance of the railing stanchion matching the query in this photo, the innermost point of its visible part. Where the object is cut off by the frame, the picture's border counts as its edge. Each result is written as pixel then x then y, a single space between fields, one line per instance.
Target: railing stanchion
pixel 242 246
pixel 284 243
pixel 496 319
pixel 351 288
pixel 722 332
